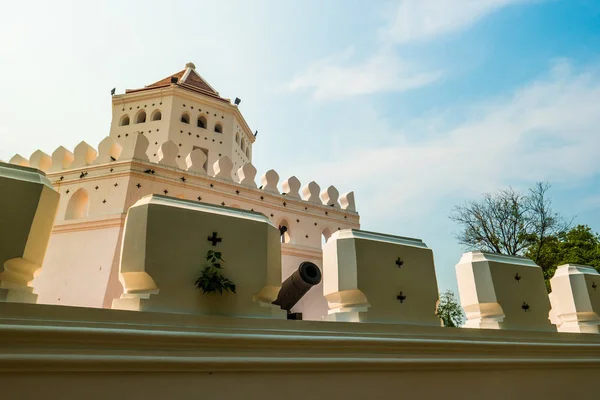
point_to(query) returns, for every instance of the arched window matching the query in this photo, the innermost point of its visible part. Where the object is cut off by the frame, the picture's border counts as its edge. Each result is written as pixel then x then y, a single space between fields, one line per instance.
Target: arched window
pixel 202 122
pixel 218 128
pixel 156 115
pixel 248 152
pixel 243 145
pixel 237 138
pixel 140 117
pixel 124 120
pixel 284 230
pixel 185 118
pixel 325 235
pixel 78 205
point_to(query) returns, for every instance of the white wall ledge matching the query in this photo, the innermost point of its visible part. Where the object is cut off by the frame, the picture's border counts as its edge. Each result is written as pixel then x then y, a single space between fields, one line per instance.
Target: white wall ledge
pixel 44 338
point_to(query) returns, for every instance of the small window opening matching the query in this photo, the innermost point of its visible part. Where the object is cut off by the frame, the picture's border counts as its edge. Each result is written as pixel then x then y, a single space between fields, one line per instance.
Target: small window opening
pixel 156 115
pixel 141 117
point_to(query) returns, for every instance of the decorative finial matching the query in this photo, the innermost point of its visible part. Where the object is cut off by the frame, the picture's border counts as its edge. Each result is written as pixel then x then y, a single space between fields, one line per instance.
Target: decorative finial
pixel 190 65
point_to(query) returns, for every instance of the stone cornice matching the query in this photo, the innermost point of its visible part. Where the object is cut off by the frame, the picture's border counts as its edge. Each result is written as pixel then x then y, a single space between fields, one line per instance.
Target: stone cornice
pixel 94 362
pixel 300 251
pixel 380 237
pixel 478 256
pixel 87 224
pixel 21 173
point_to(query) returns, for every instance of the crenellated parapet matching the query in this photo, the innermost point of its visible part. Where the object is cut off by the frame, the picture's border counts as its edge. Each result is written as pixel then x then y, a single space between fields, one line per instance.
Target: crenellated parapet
pixel 135 147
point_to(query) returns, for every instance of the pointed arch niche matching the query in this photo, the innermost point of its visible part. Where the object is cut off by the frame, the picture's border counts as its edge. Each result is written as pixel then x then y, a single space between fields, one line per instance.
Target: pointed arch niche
pixel 284 229
pixel 325 235
pixel 78 205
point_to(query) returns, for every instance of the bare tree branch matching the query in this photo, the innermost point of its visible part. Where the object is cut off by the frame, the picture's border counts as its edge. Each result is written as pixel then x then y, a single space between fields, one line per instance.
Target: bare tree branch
pixel 508 221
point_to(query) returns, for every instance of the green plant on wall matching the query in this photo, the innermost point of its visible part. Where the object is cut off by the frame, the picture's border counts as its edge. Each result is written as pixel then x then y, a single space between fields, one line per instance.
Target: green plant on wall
pixel 211 280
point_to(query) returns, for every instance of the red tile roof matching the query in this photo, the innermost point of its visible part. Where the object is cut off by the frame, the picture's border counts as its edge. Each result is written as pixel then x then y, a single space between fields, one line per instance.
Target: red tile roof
pixel 193 79
pixel 193 82
pixel 167 80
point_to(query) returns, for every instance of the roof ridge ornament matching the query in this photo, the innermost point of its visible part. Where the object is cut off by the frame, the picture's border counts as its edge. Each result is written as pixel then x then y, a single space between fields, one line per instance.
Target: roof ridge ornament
pixel 190 65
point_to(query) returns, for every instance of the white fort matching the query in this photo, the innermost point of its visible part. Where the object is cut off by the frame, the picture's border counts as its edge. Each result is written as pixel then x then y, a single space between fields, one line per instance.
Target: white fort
pixel 179 138
pixel 104 250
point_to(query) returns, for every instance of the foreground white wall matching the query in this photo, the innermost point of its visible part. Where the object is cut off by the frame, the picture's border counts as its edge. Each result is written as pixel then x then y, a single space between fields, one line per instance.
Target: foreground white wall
pixel 55 352
pixel 81 264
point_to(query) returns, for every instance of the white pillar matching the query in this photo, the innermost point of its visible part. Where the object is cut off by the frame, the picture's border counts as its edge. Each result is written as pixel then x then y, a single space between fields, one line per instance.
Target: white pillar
pixel 373 277
pixel 575 299
pixel 28 206
pixel 502 292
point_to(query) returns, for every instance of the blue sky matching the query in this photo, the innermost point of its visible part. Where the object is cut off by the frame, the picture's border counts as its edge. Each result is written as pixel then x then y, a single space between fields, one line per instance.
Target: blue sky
pixel 414 105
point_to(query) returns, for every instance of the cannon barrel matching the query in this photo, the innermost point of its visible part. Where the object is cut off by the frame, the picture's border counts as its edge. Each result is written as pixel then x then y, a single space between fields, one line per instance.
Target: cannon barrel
pixel 296 286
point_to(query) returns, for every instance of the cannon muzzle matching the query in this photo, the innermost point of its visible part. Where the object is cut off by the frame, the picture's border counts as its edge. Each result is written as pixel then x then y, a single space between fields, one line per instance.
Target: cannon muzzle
pixel 296 286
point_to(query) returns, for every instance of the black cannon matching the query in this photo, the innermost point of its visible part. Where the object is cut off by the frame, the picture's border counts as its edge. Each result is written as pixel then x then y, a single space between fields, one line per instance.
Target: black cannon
pixel 296 286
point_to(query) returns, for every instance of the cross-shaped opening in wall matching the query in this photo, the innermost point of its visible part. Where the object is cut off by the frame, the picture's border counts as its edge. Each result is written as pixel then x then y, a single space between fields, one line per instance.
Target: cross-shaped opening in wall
pixel 399 262
pixel 214 239
pixel 401 297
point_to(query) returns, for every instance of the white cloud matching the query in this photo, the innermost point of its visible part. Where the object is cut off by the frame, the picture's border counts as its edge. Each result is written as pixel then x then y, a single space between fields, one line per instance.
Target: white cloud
pixel 337 77
pixel 548 130
pixel 426 19
pixel 383 72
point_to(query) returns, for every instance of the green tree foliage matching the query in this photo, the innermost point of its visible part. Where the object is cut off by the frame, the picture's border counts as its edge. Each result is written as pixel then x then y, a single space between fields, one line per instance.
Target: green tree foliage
pixel 449 311
pixel 579 245
pixel 211 280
